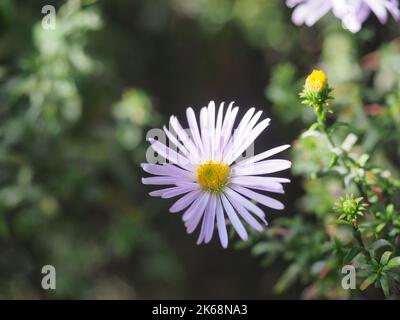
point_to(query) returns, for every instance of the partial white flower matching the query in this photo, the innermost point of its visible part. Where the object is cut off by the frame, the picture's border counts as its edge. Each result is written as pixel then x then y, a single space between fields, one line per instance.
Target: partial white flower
pixel 352 13
pixel 213 186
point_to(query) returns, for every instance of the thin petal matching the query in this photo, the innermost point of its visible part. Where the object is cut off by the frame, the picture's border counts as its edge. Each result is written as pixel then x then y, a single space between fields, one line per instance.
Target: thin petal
pixel 192 224
pixel 210 219
pixel 264 167
pixel 228 126
pixel 211 129
pixel 247 204
pixel 178 191
pixel 261 188
pixel 167 170
pixel 183 136
pixel 218 130
pixel 238 134
pixel 175 141
pixel 262 156
pixel 205 132
pixel 163 180
pixel 171 155
pixel 194 207
pixel 245 214
pixel 250 139
pixel 194 129
pixel 223 234
pixel 236 223
pixel 257 182
pixel 260 198
pixel 173 191
pixel 184 202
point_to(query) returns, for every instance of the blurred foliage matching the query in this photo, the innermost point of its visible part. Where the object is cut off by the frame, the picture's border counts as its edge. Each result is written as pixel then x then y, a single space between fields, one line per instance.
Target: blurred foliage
pixel 68 177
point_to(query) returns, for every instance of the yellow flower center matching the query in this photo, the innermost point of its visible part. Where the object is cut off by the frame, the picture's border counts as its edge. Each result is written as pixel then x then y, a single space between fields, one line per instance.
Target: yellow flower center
pixel 316 81
pixel 213 176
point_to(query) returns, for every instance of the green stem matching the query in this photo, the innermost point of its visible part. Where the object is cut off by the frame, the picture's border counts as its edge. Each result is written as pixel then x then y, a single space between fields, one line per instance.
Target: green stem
pixel 357 235
pixel 347 162
pixel 344 157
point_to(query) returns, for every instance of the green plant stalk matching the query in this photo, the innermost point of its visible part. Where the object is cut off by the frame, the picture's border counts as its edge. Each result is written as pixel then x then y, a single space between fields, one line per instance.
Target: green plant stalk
pixel 345 159
pixel 357 235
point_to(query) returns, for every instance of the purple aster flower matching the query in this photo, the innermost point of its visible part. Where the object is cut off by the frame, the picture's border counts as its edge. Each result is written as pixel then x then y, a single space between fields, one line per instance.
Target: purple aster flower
pixel 352 13
pixel 206 170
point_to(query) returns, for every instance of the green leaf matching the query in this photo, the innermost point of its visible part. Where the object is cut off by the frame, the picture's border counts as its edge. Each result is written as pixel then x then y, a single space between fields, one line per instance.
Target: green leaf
pixel 367 282
pixel 379 244
pixel 385 286
pixel 353 252
pixel 380 227
pixel 333 161
pixel 265 247
pixel 363 159
pixel 342 222
pixel 394 276
pixel 288 278
pixel 314 126
pixel 393 263
pixel 385 258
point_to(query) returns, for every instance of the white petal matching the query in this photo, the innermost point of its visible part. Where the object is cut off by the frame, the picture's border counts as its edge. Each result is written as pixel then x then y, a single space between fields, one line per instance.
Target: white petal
pixel 203 228
pixel 178 191
pixel 257 182
pixel 247 204
pixel 223 234
pixel 194 129
pixel 227 127
pixel 191 224
pixel 167 192
pixel 171 155
pixel 264 167
pixel 293 3
pixel 378 8
pixel 318 12
pixel 205 133
pixel 175 141
pixel 242 135
pixel 238 133
pixel 260 198
pixel 184 202
pixel 163 180
pixel 218 130
pixel 167 170
pixel 188 215
pixel 236 223
pixel 250 139
pixel 261 188
pixel 211 129
pixel 207 227
pixel 210 219
pixel 262 156
pixel 245 214
pixel 183 136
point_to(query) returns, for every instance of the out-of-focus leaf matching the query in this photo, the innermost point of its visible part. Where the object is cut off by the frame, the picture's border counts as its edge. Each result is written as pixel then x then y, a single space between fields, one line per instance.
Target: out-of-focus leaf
pixel 351 255
pixel 385 257
pixel 367 282
pixel 385 286
pixel 393 263
pixel 288 277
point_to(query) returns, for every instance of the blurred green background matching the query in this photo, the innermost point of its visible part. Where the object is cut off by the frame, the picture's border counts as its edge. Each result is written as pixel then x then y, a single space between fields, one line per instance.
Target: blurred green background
pixel 76 103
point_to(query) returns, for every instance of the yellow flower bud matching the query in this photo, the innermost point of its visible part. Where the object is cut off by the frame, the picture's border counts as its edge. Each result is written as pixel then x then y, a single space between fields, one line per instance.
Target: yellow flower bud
pixel 317 81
